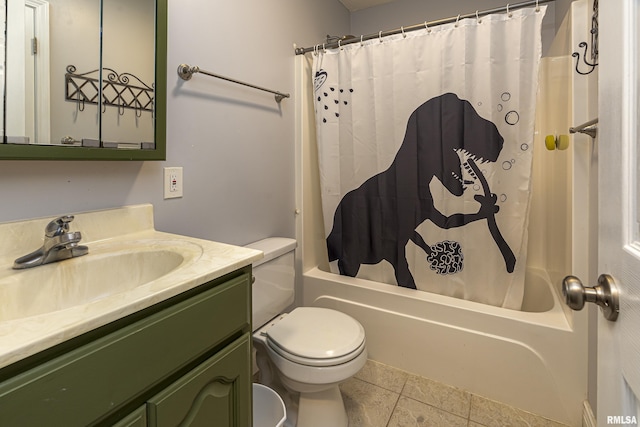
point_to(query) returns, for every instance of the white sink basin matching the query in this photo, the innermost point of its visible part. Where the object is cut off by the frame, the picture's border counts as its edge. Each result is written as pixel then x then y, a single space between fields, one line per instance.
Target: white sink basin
pixel 78 281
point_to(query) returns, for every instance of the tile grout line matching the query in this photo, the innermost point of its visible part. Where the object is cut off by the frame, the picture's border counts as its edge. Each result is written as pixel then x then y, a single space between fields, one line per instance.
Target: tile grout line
pixel 439 409
pixel 396 404
pixel 393 410
pixel 382 385
pixel 401 394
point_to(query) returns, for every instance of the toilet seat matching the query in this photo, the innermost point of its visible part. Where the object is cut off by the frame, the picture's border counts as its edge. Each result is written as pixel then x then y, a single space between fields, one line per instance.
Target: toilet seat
pixel 317 362
pixel 316 336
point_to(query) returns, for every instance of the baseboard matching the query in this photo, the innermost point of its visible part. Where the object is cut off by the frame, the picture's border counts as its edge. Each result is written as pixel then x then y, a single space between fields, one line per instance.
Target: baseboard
pixel 588 419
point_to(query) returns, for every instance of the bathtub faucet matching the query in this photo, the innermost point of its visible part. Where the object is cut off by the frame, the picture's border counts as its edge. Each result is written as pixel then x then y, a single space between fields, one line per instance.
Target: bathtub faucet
pixel 59 243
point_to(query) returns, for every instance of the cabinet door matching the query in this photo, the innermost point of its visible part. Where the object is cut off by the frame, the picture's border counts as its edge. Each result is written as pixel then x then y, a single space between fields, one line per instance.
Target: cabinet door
pixel 216 393
pixel 137 418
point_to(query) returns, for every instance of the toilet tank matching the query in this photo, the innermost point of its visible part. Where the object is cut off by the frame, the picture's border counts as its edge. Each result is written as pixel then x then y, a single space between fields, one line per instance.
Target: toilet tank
pixel 273 289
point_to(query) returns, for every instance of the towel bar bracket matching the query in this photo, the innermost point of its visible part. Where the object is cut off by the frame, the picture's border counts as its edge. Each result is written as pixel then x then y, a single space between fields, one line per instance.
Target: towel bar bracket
pixel 186 72
pixel 590 128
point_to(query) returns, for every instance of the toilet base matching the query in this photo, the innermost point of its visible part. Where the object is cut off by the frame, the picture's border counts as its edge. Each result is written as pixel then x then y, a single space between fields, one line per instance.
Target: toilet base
pixel 322 409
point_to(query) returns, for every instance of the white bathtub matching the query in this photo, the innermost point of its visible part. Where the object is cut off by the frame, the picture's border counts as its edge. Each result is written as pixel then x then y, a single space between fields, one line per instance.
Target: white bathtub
pixel 515 357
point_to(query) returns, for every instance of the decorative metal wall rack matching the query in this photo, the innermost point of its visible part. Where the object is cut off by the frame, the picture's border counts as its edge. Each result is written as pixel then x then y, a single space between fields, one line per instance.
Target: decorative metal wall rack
pixel 590 66
pixel 119 90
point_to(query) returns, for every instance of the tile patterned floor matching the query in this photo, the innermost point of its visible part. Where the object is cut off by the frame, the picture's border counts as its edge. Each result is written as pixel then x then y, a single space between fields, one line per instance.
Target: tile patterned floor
pixel 383 396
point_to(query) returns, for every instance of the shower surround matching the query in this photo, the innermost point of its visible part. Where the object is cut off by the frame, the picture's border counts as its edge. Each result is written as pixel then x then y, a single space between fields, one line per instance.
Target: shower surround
pixel 534 358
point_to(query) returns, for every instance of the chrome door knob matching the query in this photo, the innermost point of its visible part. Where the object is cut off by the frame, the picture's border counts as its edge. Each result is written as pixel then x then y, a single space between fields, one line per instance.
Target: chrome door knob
pixel 605 295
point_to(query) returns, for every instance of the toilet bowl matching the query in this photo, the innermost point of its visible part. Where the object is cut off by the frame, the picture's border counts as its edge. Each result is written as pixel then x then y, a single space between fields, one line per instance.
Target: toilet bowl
pixel 312 349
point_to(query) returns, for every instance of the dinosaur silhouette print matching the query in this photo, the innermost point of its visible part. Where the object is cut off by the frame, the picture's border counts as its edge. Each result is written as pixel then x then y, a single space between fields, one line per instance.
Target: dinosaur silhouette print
pixel 376 221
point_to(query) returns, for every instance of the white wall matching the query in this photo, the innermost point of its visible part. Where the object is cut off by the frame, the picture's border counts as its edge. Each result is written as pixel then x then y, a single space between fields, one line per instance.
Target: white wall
pixel 235 144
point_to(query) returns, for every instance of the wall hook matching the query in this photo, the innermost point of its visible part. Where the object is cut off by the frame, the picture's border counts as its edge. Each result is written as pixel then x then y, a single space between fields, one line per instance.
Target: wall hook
pixel 576 55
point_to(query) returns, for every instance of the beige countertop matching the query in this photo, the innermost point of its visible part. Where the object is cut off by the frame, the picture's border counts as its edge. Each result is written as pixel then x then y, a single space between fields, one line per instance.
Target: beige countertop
pixel 47 305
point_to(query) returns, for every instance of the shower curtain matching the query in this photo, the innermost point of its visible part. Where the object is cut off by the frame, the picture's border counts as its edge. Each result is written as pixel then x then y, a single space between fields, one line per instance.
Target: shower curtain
pixel 425 149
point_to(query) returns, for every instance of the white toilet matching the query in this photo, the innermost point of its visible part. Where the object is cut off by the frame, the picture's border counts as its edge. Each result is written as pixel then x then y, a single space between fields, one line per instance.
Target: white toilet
pixel 314 349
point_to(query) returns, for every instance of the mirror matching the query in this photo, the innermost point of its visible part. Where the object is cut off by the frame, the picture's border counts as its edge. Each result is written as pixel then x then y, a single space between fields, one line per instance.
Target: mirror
pixel 83 79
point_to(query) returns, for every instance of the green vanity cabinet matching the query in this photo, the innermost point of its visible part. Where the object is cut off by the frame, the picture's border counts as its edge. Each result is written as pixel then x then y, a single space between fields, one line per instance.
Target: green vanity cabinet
pixel 185 361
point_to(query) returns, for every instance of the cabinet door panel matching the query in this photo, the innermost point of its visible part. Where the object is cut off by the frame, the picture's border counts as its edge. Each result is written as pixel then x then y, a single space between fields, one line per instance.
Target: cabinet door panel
pixel 216 393
pixel 137 418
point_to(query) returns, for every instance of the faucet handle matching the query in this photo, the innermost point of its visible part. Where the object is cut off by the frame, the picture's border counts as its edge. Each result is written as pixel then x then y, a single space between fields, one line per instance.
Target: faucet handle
pixel 58 226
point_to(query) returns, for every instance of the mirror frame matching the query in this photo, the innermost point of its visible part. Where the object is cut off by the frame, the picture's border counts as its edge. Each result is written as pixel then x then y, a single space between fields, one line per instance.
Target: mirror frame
pixel 54 152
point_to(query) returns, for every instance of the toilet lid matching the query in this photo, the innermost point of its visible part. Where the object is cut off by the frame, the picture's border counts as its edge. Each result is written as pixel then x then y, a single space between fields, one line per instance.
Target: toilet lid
pixel 317 333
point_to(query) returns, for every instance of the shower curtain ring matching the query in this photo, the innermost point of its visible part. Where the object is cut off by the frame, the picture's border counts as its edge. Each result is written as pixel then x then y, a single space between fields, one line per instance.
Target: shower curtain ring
pixel 403 33
pixel 339 42
pixel 380 36
pixel 537 6
pixel 478 18
pixel 324 50
pixel 361 36
pixel 509 14
pixel 457 19
pixel 427 27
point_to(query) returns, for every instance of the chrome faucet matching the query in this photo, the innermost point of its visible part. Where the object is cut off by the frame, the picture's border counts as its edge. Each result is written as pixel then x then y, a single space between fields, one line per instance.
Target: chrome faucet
pixel 59 244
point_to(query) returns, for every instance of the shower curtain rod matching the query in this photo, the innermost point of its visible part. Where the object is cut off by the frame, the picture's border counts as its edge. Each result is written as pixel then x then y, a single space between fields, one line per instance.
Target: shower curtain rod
pixel 508 7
